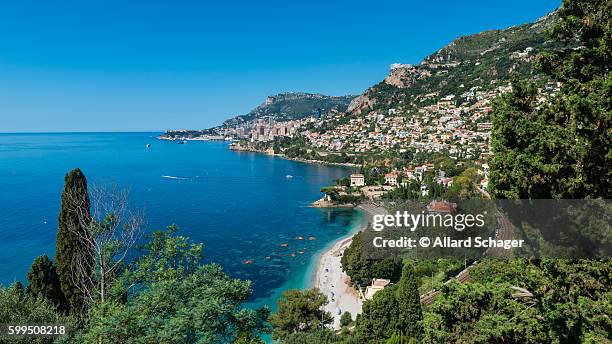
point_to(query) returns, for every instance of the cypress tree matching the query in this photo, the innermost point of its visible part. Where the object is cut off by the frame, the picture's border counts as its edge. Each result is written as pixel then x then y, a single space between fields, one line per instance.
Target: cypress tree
pixel 410 313
pixel 43 281
pixel 74 213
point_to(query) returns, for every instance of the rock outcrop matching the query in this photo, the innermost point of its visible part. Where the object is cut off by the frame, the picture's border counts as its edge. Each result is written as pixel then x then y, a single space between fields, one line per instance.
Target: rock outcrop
pixel 405 75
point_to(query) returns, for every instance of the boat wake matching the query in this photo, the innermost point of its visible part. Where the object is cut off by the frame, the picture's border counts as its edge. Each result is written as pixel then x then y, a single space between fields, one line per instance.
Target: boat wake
pixel 174 177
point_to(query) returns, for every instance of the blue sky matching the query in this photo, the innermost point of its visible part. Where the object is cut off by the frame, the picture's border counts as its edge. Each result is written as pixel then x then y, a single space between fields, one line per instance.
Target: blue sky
pixel 156 65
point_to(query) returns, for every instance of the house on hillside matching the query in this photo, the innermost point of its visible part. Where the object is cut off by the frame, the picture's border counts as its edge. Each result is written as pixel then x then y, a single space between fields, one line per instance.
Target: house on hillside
pixel 377 285
pixel 391 179
pixel 357 179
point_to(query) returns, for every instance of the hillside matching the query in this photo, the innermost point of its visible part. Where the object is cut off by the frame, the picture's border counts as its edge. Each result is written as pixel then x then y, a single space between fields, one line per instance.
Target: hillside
pixel 483 60
pixel 439 107
pixel 291 106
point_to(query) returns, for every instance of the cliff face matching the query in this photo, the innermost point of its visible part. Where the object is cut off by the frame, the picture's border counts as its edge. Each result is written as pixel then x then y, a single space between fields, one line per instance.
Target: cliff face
pixel 405 75
pixel 363 102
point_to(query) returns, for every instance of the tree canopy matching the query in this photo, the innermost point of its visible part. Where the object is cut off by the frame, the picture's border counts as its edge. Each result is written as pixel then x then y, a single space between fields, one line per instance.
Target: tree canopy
pixel 410 313
pixel 44 282
pixel 299 311
pixel 560 148
pixel 173 298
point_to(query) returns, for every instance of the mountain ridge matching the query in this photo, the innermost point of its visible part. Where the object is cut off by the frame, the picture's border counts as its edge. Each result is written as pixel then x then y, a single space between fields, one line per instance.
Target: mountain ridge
pixel 468 59
pixel 286 106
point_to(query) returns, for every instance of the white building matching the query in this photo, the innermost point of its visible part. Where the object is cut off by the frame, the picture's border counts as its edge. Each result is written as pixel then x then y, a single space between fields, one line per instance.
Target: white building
pixel 391 179
pixel 378 284
pixel 357 179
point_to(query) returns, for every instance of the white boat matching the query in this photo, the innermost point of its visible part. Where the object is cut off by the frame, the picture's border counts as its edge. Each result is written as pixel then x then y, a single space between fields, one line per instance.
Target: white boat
pixel 288 176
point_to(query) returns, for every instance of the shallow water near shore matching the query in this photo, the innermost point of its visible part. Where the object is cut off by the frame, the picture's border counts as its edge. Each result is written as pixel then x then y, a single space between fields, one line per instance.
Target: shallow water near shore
pixel 243 206
pixel 304 276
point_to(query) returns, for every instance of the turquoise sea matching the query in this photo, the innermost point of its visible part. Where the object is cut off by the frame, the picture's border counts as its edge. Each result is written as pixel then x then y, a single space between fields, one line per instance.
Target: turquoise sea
pixel 242 206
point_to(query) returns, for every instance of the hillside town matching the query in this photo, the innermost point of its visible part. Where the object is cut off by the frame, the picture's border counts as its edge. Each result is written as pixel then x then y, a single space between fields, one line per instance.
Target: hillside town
pixel 459 125
pixel 455 126
pixel 265 129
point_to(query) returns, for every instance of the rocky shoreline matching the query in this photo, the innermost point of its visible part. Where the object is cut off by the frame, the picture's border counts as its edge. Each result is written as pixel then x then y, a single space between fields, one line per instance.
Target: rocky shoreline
pixel 323 203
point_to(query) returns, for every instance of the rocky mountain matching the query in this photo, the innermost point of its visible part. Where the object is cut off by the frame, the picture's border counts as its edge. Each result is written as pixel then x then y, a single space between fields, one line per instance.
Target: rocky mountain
pixel 293 105
pixel 485 60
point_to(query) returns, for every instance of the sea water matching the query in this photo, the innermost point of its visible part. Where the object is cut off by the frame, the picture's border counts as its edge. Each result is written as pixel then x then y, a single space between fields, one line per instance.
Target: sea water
pixel 242 206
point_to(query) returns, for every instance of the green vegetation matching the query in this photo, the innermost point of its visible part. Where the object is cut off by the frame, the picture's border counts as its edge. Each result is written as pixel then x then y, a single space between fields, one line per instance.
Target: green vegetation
pixel 564 302
pixel 409 304
pixel 378 320
pixel 288 106
pixel 16 307
pixel 339 198
pixel 320 335
pixel 299 311
pixel 173 297
pixel 361 269
pixel 43 282
pixel 410 192
pixel 73 218
pixel 560 149
pixel 433 273
pixel 165 294
pixel 394 311
pixel 464 186
pixel 399 338
pixel 346 319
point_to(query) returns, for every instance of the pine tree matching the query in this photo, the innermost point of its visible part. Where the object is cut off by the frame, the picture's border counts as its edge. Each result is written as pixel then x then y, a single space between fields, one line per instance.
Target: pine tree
pixel 74 214
pixel 299 311
pixel 410 313
pixel 43 281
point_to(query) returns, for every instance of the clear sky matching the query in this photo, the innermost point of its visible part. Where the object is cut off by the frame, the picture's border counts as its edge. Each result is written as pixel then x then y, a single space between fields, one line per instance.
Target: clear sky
pixel 155 65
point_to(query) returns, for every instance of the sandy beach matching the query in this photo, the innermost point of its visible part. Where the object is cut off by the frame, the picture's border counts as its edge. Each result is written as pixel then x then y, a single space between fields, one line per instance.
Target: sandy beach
pixel 333 282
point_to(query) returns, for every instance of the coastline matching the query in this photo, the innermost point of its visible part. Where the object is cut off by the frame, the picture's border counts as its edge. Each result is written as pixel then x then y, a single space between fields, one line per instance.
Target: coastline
pixel 239 148
pixel 329 277
pixel 320 162
pixel 324 270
